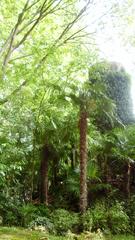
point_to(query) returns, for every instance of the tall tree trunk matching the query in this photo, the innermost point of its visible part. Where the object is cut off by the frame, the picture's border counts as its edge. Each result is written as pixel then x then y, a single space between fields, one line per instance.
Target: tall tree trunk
pixel 83 160
pixel 44 176
pixel 128 179
pixel 55 172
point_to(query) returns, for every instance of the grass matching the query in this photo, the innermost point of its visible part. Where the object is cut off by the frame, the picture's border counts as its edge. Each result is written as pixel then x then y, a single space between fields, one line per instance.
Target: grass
pixel 7 233
pixel 123 237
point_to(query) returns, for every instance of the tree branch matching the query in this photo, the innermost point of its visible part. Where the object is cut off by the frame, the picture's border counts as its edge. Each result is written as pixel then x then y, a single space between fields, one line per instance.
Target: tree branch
pixel 6 99
pixel 14 32
pixel 65 31
pixel 45 9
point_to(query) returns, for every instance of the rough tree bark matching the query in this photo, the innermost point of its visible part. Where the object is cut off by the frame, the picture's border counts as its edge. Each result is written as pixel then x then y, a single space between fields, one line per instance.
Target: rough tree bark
pixel 44 176
pixel 128 179
pixel 83 159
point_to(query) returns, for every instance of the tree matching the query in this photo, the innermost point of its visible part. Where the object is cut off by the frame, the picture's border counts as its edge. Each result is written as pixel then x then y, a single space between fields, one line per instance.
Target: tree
pixel 37 65
pixel 88 98
pixel 118 89
pixel 33 16
pixel 83 153
pixel 33 66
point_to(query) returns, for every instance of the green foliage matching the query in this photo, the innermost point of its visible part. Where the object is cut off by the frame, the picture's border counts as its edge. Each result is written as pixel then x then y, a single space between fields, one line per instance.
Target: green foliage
pixel 118 89
pixel 131 213
pixel 99 216
pixel 16 214
pixel 123 140
pixel 9 209
pixel 31 214
pixel 44 222
pixel 87 220
pixel 92 170
pixel 28 213
pixel 11 218
pixel 107 218
pixel 64 220
pixel 119 85
pixel 37 109
pixel 118 220
pixel 72 183
pixel 43 210
pixel 43 81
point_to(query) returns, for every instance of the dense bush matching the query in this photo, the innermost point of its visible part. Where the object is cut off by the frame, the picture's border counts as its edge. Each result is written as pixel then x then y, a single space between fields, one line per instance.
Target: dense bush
pixel 64 220
pixel 95 218
pixel 87 220
pixel 131 213
pixel 43 210
pixel 28 213
pixel 14 213
pixel 118 220
pixel 31 213
pixel 44 222
pixel 101 216
pixel 9 210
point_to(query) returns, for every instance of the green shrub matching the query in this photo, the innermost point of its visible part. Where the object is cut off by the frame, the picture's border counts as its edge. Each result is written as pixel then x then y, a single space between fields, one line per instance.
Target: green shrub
pixel 64 220
pixel 9 211
pixel 13 213
pixel 43 210
pixel 99 216
pixel 28 213
pixel 118 220
pixel 44 222
pixel 131 213
pixel 87 220
pixel 95 218
pixel 11 219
